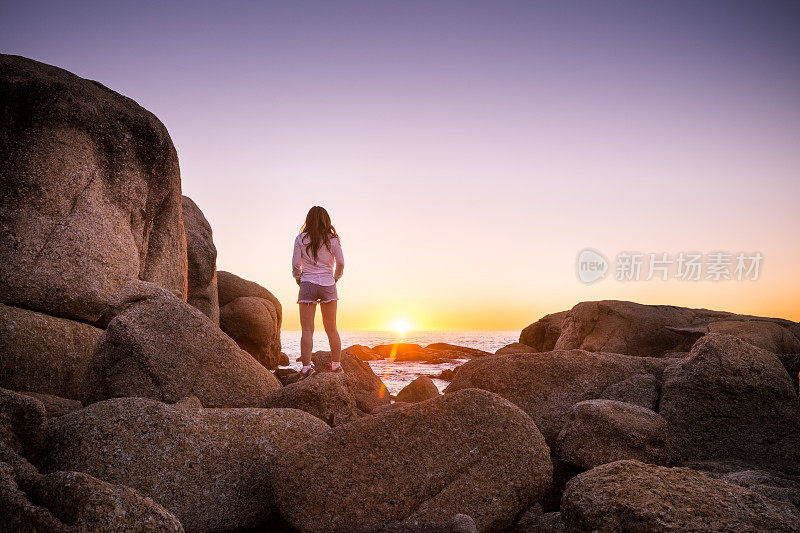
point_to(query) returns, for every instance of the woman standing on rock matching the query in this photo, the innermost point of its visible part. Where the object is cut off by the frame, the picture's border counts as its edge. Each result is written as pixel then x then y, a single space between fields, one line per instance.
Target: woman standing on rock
pixel 317 264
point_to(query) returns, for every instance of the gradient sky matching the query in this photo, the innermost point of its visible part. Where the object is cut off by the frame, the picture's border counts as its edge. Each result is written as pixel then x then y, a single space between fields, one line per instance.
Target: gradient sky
pixel 467 151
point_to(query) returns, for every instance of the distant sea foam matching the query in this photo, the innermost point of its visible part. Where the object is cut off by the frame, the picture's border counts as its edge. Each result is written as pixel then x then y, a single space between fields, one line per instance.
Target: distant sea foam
pixel 397 375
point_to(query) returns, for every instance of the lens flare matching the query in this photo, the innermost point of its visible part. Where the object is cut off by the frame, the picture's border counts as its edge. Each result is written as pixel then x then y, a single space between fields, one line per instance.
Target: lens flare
pixel 401 326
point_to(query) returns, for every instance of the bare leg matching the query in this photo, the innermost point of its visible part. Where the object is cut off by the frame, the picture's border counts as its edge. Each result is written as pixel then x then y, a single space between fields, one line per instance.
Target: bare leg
pixel 307 312
pixel 329 321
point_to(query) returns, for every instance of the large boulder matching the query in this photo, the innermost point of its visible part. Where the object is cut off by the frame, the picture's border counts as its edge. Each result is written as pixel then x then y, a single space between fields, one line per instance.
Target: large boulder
pixel 202 256
pixel 326 396
pixel 253 323
pixel 91 194
pixel 640 389
pixel 729 399
pixel 633 496
pixel 460 351
pixel 604 431
pixel 43 353
pixel 367 388
pixel 252 316
pixel 421 389
pixel 22 424
pixel 769 483
pixel 362 353
pixel 543 334
pixel 73 501
pixel 206 466
pixel 652 330
pixel 54 405
pixel 546 385
pixel 772 336
pixel 470 452
pixel 160 347
pixel 404 351
pixel 230 286
pixel 515 347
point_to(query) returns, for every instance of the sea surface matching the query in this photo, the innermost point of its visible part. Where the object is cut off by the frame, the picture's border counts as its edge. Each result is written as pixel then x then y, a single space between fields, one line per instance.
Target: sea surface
pixel 394 374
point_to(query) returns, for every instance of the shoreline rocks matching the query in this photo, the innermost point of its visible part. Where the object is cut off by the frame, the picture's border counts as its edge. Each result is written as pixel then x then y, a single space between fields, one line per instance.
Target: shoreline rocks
pixel 73 501
pixel 326 396
pixel 603 431
pixel 546 385
pixel 633 496
pixel 469 452
pixel 367 389
pixel 251 316
pixel 732 400
pixel 652 330
pixel 208 467
pixel 160 347
pixel 43 353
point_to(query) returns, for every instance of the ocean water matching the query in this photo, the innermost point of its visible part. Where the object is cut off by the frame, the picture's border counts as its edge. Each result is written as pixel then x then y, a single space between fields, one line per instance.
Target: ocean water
pixel 394 374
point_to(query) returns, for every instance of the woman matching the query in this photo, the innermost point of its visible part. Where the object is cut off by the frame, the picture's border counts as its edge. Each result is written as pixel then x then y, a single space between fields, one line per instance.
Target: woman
pixel 317 264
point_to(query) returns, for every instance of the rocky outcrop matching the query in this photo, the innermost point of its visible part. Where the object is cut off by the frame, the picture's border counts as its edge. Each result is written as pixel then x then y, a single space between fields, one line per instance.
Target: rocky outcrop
pixel 772 335
pixel 230 286
pixel 731 400
pixel 546 385
pixel 367 388
pixel 791 362
pixel 55 405
pixel 535 521
pixel 652 330
pixel 604 431
pixel 43 353
pixel 640 389
pixel 515 347
pixel 252 323
pixel 202 257
pixel 160 347
pixel 767 483
pixel 22 425
pixel 91 194
pixel 362 353
pixel 633 496
pixel 470 452
pixel 421 389
pixel 543 334
pixel 771 483
pixel 252 317
pixel 448 374
pixel 206 466
pixel 326 396
pixel 462 351
pixel 73 502
pixel 403 351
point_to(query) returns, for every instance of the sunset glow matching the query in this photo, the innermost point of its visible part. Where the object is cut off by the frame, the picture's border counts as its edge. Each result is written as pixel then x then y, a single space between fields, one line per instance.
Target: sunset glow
pixel 467 154
pixel 401 326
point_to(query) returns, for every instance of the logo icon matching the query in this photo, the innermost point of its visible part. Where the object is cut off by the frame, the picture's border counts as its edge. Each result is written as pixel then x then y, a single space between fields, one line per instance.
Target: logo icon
pixel 592 266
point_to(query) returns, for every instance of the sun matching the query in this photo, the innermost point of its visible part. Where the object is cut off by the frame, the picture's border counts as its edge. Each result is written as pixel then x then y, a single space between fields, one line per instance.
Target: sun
pixel 401 326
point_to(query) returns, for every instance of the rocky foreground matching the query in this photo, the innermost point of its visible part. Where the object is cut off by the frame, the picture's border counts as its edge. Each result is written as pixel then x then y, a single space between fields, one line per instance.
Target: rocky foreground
pixel 140 388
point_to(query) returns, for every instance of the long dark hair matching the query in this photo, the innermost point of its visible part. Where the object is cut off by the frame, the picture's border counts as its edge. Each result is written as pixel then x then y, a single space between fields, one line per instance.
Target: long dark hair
pixel 319 230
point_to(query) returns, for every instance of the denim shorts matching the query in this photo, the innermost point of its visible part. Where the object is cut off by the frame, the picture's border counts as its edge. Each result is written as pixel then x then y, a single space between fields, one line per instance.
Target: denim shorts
pixel 311 293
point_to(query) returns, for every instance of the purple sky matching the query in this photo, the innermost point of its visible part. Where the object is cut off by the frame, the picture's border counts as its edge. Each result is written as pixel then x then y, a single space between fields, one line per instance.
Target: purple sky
pixel 466 151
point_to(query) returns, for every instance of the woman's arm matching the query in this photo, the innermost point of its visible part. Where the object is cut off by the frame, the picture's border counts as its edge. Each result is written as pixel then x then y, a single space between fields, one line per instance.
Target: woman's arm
pixel 339 256
pixel 296 259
